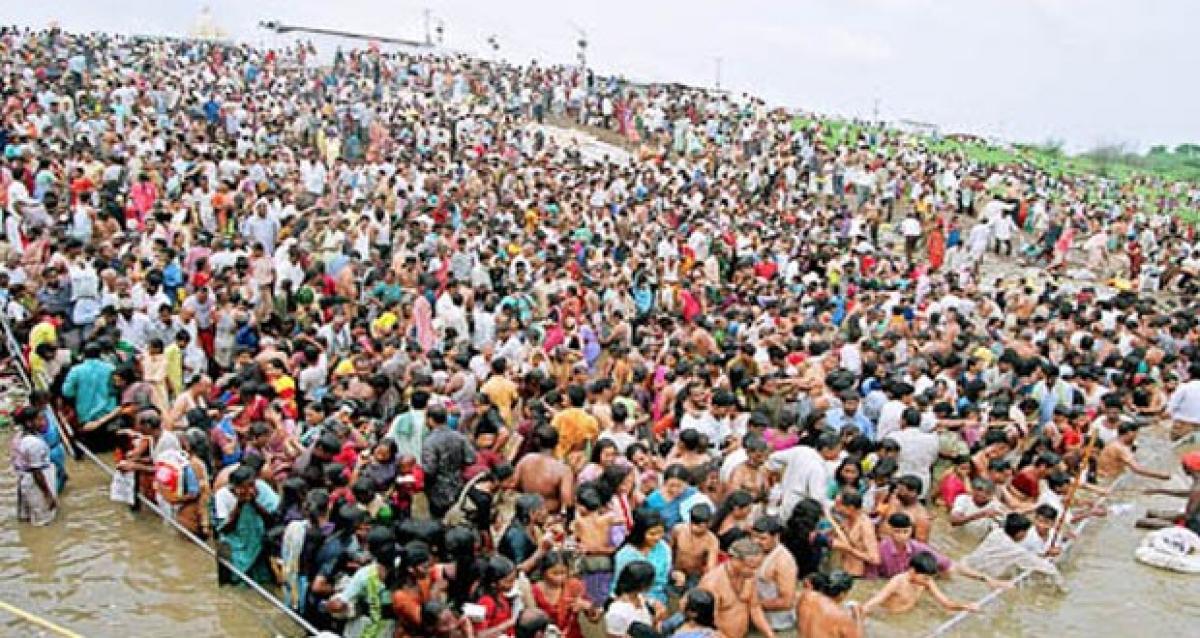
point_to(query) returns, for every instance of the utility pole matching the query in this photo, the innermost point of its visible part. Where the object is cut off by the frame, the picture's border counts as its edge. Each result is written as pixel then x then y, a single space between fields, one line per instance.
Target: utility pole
pixel 876 116
pixel 718 61
pixel 428 34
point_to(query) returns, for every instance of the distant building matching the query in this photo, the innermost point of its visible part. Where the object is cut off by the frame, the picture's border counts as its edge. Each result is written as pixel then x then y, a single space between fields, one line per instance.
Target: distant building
pixel 205 29
pixel 917 128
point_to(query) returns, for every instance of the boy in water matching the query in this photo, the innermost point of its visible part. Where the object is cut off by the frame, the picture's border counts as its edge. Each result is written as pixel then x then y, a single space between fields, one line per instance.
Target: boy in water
pixel 859 547
pixel 903 591
pixel 694 547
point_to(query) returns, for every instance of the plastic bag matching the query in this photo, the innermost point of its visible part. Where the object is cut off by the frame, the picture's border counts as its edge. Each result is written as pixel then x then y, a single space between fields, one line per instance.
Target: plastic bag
pixel 122 489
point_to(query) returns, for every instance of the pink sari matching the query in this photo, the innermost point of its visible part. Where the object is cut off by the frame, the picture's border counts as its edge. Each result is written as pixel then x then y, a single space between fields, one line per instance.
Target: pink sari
pixel 423 322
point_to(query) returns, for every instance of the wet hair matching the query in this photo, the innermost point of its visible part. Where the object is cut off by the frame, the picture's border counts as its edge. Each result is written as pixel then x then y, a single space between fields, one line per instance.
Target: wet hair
pixel 833 584
pixel 497 569
pixel 701 513
pixel 242 474
pixel 644 519
pixel 635 577
pixel 610 479
pixel 768 524
pixel 527 504
pixel 460 550
pixel 899 520
pixel 545 438
pixel 1016 523
pixel 589 496
pixel 700 607
pixel 884 468
pixel 1046 511
pixel 924 563
pixel 735 500
pixel 677 471
pixel 911 482
pixel 602 445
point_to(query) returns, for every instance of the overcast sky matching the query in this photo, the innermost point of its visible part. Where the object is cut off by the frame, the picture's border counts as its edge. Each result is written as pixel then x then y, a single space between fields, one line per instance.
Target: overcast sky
pixel 1086 71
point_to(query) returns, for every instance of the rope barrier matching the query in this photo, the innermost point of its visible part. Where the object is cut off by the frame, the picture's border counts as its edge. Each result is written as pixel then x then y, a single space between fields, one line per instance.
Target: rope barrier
pixel 15 353
pixel 995 594
pixel 38 620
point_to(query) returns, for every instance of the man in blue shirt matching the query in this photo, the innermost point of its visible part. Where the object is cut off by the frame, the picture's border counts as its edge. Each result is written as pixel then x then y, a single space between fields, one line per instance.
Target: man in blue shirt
pixel 90 385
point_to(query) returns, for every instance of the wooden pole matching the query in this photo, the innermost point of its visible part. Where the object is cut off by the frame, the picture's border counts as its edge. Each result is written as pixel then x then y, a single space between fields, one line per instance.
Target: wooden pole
pixel 1069 500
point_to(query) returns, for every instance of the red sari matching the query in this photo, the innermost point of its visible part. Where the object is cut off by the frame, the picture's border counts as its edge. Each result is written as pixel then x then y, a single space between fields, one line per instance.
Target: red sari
pixel 937 248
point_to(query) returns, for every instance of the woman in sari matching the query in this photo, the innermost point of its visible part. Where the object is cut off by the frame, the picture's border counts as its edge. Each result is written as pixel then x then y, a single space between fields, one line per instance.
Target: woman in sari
pixel 937 247
pixel 154 371
pixel 37 501
pixel 422 323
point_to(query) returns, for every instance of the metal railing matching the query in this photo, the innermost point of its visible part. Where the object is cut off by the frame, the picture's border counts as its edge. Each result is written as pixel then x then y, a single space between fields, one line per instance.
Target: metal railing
pixel 14 350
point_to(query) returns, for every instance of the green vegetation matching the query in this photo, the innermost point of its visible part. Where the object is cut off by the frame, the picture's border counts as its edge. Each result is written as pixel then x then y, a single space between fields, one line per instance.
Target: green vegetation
pixel 1118 162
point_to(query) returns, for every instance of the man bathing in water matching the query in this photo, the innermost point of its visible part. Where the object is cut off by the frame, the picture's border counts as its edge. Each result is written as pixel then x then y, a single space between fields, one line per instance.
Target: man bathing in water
pixel 732 585
pixel 820 608
pixel 903 591
pixel 1117 456
pixel 1157 519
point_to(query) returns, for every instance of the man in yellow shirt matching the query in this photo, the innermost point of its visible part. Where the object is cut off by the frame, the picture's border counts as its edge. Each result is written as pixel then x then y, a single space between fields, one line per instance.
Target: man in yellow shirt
pixel 502 392
pixel 575 426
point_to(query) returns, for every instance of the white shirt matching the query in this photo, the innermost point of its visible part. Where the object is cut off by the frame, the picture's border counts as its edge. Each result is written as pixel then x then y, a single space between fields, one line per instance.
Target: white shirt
pixel 918 451
pixel 964 505
pixel 889 418
pixel 621 615
pixel 910 227
pixel 805 475
pixel 1184 404
pixel 705 424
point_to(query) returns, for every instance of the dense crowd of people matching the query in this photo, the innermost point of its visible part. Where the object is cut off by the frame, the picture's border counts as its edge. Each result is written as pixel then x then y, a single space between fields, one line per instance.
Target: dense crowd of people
pixel 404 354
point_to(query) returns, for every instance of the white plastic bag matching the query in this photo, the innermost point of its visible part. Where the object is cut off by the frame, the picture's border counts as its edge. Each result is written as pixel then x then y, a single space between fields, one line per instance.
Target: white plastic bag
pixel 123 488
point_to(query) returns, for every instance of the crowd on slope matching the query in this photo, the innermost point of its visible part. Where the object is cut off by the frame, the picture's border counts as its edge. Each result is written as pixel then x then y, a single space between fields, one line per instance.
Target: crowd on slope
pixel 430 372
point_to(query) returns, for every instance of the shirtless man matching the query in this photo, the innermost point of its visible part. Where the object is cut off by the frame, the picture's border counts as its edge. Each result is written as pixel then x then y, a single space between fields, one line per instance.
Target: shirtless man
pixel 904 501
pixel 694 548
pixel 1117 456
pixel 1157 519
pixel 904 589
pixel 751 475
pixel 820 610
pixel 543 474
pixel 776 578
pixel 859 547
pixel 732 585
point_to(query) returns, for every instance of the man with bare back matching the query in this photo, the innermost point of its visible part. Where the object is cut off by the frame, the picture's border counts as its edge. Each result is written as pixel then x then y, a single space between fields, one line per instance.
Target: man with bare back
pixel 543 474
pixel 733 586
pixel 820 610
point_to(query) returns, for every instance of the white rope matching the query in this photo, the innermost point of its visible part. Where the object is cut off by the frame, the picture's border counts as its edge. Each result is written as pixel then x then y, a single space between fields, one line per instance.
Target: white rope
pixel 995 594
pixel 15 352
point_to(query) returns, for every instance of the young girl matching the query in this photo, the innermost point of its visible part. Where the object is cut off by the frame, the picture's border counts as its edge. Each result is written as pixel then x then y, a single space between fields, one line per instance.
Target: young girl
pixel 499 576
pixel 848 477
pixel 561 597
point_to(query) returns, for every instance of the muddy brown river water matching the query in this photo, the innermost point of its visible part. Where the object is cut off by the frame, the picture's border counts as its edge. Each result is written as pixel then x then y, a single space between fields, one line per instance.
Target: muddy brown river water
pixel 101 570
